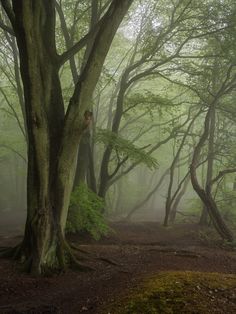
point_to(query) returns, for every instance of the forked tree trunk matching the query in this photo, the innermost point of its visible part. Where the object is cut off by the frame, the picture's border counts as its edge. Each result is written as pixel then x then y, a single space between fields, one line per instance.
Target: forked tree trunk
pixel 43 243
pixel 53 136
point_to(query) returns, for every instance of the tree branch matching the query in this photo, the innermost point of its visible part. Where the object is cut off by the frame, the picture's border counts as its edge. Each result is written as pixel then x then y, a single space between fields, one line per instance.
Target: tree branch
pixel 81 43
pixel 221 174
pixel 14 151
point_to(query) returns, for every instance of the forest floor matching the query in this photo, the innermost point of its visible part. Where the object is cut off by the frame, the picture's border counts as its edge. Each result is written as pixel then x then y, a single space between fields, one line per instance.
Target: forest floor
pixel 130 255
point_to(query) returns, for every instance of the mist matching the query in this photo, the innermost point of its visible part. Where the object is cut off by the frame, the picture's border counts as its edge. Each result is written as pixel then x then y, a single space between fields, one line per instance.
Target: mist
pixel 117 156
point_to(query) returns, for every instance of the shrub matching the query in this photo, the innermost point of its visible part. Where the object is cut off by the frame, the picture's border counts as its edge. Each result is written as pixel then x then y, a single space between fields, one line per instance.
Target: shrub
pixel 85 213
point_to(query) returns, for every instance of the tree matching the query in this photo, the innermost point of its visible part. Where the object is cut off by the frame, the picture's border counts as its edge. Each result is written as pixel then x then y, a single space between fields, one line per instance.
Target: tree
pixel 224 86
pixel 53 133
pixel 155 48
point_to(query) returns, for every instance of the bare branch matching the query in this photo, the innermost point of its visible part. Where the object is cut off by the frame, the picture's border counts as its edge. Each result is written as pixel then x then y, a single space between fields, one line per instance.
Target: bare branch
pixel 14 113
pixel 14 151
pixel 221 174
pixel 80 44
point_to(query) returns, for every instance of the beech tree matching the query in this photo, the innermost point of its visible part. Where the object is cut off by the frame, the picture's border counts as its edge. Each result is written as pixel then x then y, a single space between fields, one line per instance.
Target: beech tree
pixel 53 132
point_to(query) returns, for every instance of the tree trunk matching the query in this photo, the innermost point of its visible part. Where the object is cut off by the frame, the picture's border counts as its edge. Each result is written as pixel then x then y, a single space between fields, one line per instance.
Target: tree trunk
pixel 53 136
pixel 210 162
pixel 178 199
pixel 82 159
pixel 170 199
pixel 205 195
pixel 91 178
pixel 104 174
pixel 44 234
pixel 149 195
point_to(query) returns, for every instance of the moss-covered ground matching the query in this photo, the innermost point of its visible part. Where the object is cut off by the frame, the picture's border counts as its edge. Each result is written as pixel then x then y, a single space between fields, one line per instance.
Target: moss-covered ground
pixel 179 293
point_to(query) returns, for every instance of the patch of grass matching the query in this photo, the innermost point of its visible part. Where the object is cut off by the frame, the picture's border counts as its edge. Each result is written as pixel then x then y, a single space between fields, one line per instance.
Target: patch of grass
pixel 179 293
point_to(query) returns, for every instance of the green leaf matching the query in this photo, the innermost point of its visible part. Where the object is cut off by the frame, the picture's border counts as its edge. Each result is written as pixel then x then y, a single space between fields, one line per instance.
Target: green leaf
pixel 125 148
pixel 85 213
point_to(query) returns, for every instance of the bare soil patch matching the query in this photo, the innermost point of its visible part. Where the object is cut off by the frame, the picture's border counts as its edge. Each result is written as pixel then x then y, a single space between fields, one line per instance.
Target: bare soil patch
pixel 121 261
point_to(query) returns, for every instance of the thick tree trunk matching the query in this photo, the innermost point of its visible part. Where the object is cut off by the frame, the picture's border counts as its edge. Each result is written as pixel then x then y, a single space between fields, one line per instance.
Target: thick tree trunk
pixel 53 136
pixel 44 241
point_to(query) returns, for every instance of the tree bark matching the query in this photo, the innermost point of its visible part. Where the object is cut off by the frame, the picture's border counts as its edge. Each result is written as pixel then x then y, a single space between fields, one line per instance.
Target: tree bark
pixel 205 195
pixel 104 174
pixel 53 136
pixel 210 162
pixel 178 199
pixel 170 199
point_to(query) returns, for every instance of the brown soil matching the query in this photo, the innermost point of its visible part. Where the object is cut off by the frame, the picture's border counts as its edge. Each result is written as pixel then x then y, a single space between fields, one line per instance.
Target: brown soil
pixel 121 261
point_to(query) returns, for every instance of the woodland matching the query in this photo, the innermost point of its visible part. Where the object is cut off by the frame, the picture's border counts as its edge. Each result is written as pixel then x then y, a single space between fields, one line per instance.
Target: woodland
pixel 117 156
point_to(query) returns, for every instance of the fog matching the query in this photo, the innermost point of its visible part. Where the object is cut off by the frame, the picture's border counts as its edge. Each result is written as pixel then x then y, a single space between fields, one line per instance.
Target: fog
pixel 117 156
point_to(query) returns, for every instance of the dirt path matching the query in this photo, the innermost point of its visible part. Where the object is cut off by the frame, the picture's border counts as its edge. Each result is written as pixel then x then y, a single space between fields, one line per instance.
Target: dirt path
pixel 120 262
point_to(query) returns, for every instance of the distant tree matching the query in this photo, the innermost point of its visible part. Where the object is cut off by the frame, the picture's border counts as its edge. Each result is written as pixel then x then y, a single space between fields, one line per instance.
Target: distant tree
pixel 156 48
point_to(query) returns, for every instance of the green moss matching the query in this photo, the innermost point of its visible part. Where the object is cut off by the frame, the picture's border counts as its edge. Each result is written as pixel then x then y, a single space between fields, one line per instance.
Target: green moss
pixel 177 293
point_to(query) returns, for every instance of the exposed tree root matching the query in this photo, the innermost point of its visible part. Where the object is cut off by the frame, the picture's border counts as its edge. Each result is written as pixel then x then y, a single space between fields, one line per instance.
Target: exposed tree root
pixel 92 256
pixel 183 253
pixel 65 255
pixel 73 261
pixel 191 255
pixel 107 260
pixel 75 247
pixel 66 259
pixel 8 252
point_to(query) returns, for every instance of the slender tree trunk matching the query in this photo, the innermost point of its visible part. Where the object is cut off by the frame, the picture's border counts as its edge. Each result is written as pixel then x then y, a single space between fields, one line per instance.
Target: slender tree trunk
pixel 82 159
pixel 169 199
pixel 104 174
pixel 178 199
pixel 205 195
pixel 150 194
pixel 210 162
pixel 85 166
pixel 91 178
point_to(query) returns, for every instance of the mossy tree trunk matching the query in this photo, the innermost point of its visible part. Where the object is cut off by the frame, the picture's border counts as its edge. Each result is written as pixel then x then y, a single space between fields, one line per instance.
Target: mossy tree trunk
pixel 53 135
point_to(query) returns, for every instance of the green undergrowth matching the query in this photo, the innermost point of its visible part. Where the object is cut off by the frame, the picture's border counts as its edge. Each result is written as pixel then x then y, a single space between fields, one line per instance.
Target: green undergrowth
pixel 85 213
pixel 179 293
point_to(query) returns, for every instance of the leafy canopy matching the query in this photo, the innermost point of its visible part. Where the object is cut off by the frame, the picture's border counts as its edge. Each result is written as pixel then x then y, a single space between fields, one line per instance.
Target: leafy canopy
pixel 126 148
